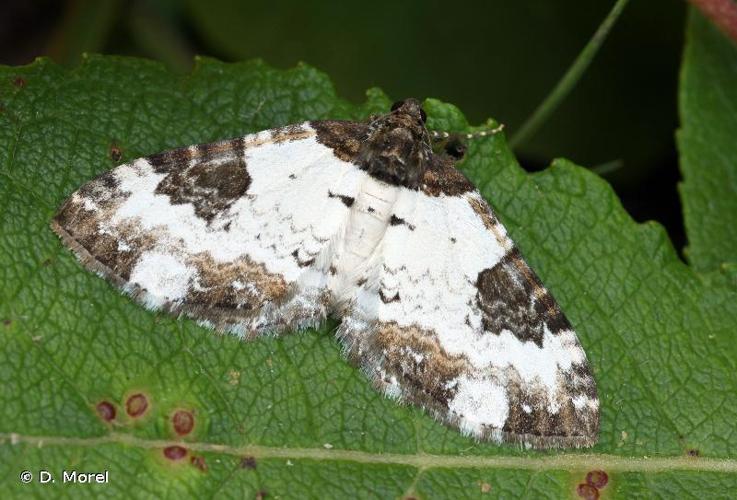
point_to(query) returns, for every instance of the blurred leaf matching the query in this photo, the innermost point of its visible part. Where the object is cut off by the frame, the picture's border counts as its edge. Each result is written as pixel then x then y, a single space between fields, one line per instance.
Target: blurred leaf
pixel 85 27
pixel 489 57
pixel 707 144
pixel 156 29
pixel 659 336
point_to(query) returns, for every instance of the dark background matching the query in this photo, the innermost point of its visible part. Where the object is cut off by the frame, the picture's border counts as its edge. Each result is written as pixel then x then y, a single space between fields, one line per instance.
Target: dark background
pixel 491 58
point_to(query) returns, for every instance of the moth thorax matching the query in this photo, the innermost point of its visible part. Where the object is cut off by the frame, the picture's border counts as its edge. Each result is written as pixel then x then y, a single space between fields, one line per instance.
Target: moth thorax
pixel 397 151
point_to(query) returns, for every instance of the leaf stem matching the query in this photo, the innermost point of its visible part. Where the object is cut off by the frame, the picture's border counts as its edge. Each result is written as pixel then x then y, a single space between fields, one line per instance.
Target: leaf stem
pixel 422 461
pixel 569 79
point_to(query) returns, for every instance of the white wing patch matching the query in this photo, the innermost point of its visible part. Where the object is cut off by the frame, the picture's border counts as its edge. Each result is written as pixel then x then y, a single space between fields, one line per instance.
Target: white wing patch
pixel 505 365
pixel 274 231
pixel 232 233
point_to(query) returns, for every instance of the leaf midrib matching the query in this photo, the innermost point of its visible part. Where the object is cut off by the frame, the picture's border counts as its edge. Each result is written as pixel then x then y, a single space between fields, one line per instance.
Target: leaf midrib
pixel 564 461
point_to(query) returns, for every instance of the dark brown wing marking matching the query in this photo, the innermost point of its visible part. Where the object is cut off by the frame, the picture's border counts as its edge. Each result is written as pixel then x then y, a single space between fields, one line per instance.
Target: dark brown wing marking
pixel 210 186
pixel 239 294
pixel 442 178
pixel 343 137
pixel 511 297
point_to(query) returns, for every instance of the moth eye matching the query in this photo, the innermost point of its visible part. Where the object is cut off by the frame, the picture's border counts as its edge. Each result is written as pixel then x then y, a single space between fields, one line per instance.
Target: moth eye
pixel 423 115
pixel 397 105
pixel 455 149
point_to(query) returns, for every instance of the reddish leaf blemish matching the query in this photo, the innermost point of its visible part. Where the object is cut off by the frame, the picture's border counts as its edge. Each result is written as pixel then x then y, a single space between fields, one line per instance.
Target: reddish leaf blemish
pixel 199 462
pixel 115 153
pixel 183 422
pixel 106 411
pixel 261 495
pixel 597 478
pixel 19 82
pixel 175 453
pixel 587 491
pixel 723 13
pixel 136 405
pixel 248 463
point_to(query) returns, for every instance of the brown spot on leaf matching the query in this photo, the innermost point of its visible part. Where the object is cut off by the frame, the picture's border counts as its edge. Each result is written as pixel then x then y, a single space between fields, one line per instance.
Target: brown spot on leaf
pixel 199 462
pixel 693 452
pixel 106 411
pixel 175 452
pixel 183 422
pixel 115 152
pixel 7 323
pixel 20 82
pixel 248 463
pixel 485 487
pixel 262 494
pixel 136 405
pixel 597 478
pixel 587 492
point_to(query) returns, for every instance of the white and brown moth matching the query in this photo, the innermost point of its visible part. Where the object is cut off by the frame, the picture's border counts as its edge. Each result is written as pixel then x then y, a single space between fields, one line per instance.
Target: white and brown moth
pixel 272 232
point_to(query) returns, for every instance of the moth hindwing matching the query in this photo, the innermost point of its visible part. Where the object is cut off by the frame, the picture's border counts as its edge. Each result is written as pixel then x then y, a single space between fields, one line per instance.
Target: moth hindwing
pixel 274 231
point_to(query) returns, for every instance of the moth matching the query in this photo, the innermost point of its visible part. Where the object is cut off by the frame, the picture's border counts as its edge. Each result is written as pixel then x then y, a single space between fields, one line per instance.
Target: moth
pixel 275 231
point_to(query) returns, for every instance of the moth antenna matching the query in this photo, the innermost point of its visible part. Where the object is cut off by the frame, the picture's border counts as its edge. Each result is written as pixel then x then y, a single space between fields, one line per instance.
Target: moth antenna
pixel 484 133
pixel 438 134
pixel 441 134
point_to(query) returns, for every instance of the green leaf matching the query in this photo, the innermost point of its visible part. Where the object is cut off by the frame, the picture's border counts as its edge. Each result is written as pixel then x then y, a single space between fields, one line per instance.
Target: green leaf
pixel 659 336
pixel 707 143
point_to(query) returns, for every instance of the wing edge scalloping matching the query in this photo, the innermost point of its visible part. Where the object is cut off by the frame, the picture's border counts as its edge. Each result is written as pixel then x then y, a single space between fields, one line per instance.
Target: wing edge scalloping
pixel 223 325
pixel 356 354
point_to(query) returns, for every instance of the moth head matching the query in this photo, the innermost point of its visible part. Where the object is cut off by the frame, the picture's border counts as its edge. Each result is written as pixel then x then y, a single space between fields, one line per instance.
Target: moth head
pixel 397 149
pixel 410 107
